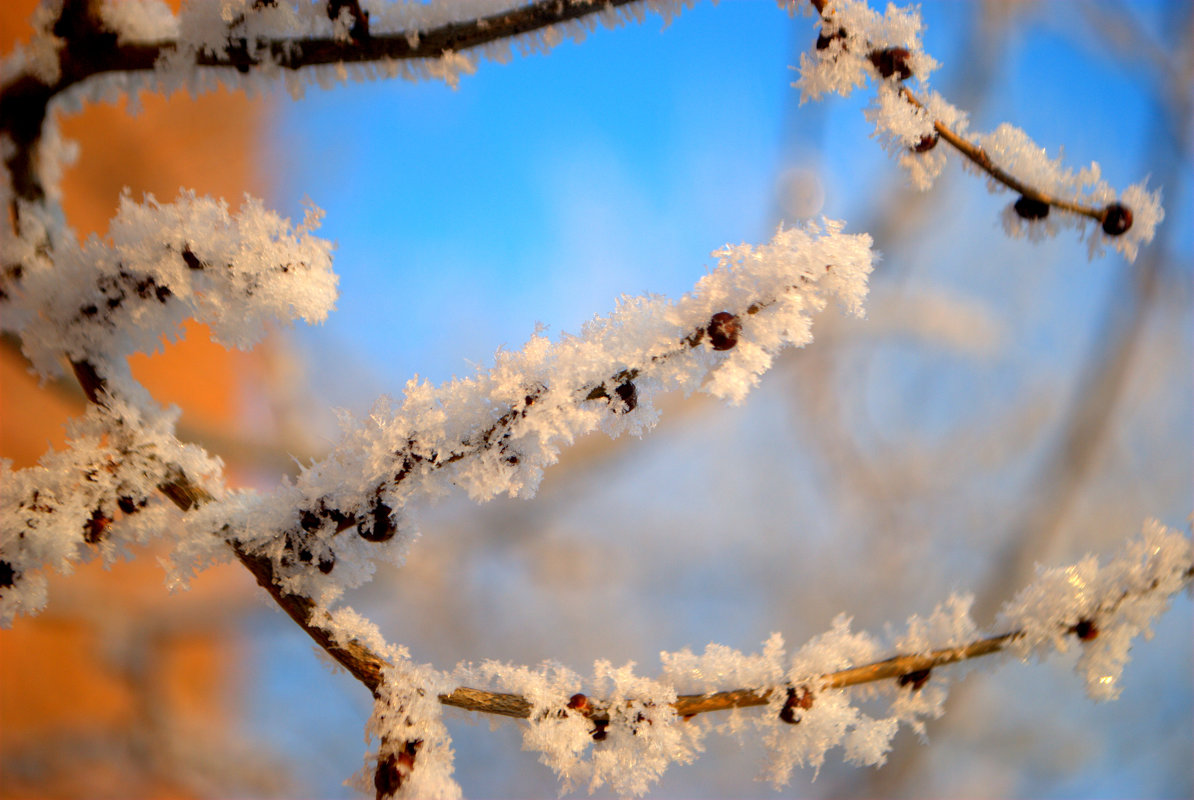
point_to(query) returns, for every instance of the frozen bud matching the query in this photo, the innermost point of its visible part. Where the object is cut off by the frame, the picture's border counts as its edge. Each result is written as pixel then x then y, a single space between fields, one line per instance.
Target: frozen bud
pixel 926 143
pixel 96 528
pixel 387 778
pixel 1085 630
pixel 917 678
pixel 892 61
pixel 824 41
pixel 360 18
pixel 599 730
pixel 379 526
pixel 802 699
pixel 723 330
pixel 393 769
pixel 8 575
pixel 1117 219
pixel 1028 208
pixel 628 394
pixel 579 702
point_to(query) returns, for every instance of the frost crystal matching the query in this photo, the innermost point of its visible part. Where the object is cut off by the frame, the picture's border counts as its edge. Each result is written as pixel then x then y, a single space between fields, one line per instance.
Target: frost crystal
pixel 96 495
pixel 1104 607
pixel 160 265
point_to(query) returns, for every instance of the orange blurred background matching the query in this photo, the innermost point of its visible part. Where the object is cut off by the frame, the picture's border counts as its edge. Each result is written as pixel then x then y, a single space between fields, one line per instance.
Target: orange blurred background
pixel 119 688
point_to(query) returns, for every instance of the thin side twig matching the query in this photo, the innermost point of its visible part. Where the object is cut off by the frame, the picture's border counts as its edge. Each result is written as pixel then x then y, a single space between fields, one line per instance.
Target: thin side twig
pixel 981 159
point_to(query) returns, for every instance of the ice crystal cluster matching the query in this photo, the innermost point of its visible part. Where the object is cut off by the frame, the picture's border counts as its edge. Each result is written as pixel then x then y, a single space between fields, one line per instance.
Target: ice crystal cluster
pixel 125 478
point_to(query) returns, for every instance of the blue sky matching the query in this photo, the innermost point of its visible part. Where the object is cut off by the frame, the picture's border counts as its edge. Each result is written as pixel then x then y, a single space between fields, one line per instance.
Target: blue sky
pixel 541 190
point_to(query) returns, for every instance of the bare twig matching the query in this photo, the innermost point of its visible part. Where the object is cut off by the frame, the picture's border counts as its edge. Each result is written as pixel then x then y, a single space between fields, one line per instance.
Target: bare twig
pixel 981 159
pixel 688 705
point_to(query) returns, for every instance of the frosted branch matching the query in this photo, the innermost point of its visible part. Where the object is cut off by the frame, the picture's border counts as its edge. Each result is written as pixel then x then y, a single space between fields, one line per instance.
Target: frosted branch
pixel 496 432
pixel 857 45
pixel 114 48
pixel 161 264
pixel 92 499
pixel 489 434
pixel 647 723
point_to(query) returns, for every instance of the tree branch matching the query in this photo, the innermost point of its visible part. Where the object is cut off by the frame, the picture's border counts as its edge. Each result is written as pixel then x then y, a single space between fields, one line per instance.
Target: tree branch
pixel 688 705
pixel 892 63
pixel 979 157
pixel 90 50
pixel 361 662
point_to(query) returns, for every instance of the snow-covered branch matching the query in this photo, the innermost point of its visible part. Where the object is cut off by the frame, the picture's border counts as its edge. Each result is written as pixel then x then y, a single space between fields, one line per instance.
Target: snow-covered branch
pixel 627 729
pixel 106 49
pixel 857 44
pixel 160 265
pixel 490 434
pixel 92 305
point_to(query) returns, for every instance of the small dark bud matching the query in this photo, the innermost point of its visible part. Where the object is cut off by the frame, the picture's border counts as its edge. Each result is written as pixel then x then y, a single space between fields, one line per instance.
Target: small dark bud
pixel 380 527
pixel 309 521
pixel 393 768
pixel 360 17
pixel 189 258
pixel 628 394
pixel 892 61
pixel 327 563
pixel 927 143
pixel 1028 208
pixel 579 702
pixel 824 41
pixel 343 521
pixel 387 779
pixel 96 528
pixel 802 700
pixel 8 575
pixel 916 679
pixel 600 734
pixel 127 506
pixel 1116 219
pixel 1085 630
pixel 723 330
